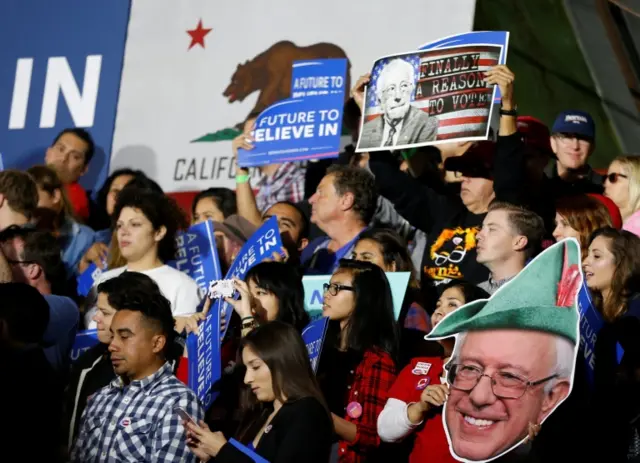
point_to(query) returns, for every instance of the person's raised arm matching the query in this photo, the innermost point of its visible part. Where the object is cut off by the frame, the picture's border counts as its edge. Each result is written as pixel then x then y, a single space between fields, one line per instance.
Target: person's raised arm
pixel 245 199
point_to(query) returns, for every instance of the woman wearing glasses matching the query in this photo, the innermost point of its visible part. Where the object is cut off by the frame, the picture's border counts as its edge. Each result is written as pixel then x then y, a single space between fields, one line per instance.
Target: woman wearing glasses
pixel 622 185
pixel 414 408
pixel 357 370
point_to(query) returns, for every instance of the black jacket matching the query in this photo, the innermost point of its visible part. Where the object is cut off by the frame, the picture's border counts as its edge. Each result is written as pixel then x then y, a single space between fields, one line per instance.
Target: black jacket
pixel 301 431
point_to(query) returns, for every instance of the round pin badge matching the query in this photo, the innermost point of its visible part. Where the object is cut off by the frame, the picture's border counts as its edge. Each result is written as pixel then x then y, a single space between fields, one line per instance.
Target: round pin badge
pixel 423 383
pixel 354 410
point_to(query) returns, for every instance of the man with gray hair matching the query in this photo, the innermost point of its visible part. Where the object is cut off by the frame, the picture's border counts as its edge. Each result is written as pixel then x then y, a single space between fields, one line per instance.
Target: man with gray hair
pixel 401 123
pixel 514 356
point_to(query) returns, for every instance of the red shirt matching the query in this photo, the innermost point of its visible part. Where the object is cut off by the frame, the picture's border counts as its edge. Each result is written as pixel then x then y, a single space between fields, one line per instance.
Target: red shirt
pixel 430 444
pixel 78 199
pixel 368 387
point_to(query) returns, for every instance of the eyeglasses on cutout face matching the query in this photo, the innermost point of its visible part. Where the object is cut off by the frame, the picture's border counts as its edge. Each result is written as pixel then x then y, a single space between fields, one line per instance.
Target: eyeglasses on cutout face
pixel 335 288
pixel 614 176
pixel 504 385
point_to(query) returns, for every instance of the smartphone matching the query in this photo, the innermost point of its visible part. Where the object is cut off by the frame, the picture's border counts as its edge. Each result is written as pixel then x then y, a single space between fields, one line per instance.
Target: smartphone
pixel 184 415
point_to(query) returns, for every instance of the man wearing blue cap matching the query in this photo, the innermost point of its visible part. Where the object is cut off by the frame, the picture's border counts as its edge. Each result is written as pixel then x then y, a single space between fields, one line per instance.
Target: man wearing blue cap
pixel 573 140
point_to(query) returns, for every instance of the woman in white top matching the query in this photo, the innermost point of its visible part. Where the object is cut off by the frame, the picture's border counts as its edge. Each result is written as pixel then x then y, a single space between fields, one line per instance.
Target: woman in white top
pixel 146 226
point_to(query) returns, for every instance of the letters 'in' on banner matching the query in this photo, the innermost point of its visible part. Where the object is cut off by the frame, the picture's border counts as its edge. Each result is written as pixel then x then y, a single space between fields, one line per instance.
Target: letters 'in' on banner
pixel 308 125
pixel 260 246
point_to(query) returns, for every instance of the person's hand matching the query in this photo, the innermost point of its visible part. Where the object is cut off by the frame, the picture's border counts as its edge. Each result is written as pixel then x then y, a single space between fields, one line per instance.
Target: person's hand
pixel 277 257
pixel 201 441
pixel 96 254
pixel 244 141
pixel 435 395
pixel 243 305
pixel 189 322
pixel 357 92
pixel 502 76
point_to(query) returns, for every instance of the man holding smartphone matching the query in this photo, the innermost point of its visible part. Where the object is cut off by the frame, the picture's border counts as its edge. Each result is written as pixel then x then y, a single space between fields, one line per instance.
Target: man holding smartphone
pixel 134 417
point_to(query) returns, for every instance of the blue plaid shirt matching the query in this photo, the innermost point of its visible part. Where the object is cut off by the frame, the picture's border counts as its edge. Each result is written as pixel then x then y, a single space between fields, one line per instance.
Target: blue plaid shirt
pixel 137 422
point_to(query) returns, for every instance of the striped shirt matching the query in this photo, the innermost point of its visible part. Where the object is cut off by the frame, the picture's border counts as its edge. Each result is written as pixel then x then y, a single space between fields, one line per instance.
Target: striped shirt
pixel 137 422
pixel 286 184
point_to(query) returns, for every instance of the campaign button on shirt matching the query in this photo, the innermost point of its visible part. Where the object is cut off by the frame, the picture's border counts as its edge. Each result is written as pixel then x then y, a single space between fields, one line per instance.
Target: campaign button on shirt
pixel 354 410
pixel 423 383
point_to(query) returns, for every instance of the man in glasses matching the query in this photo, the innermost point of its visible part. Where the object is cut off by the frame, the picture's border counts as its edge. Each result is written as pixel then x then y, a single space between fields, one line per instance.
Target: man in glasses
pixel 514 356
pixel 573 140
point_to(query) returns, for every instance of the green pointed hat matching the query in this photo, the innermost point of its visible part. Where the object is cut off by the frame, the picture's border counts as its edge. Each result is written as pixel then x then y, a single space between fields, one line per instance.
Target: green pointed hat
pixel 542 297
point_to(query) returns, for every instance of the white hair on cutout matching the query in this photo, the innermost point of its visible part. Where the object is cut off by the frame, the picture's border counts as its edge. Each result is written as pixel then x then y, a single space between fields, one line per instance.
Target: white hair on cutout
pixel 563 367
pixel 391 66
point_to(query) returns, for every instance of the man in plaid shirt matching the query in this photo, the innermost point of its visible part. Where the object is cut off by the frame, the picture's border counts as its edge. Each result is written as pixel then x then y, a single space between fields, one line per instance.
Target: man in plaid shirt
pixel 134 417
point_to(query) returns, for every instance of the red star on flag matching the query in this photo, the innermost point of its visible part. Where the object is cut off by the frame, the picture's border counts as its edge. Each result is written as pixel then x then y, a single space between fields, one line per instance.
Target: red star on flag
pixel 197 35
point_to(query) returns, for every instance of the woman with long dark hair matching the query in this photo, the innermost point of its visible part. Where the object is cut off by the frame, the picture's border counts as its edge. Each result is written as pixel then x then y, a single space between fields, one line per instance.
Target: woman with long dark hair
pixel 612 273
pixel 359 366
pixel 271 291
pixel 413 413
pixel 285 418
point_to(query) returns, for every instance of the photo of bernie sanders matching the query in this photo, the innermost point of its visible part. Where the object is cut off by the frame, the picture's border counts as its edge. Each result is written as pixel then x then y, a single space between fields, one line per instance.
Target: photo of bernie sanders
pixel 401 123
pixel 514 356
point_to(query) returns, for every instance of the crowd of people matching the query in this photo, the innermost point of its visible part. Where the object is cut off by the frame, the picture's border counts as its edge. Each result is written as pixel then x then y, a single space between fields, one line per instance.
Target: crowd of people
pixel 462 218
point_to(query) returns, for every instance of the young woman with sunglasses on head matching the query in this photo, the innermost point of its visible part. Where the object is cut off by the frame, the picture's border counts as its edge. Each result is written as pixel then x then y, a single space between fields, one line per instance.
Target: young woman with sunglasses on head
pixel 612 273
pixel 622 185
pixel 284 417
pixel 358 368
pixel 414 408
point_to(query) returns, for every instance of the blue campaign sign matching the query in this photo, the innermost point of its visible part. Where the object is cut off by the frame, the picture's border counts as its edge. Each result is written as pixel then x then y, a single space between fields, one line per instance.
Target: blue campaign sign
pixel 60 67
pixel 197 255
pixel 313 292
pixel 590 323
pixel 475 38
pixel 248 452
pixel 203 354
pixel 313 337
pixel 84 341
pixel 87 279
pixel 306 126
pixel 262 244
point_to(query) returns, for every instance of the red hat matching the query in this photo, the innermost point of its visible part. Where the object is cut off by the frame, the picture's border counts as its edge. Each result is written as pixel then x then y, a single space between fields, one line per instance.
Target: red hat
pixel 535 133
pixel 614 212
pixel 477 161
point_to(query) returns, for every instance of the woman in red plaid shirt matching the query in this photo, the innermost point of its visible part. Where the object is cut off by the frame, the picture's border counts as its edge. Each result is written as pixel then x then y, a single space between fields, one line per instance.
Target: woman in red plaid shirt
pixel 359 368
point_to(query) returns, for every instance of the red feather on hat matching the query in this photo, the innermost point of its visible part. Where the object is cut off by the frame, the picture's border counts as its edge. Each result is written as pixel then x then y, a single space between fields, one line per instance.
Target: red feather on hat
pixel 569 284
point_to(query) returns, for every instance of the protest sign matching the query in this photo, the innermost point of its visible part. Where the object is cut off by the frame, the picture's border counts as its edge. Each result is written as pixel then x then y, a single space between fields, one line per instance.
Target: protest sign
pixel 313 292
pixel 474 38
pixel 87 279
pixel 84 341
pixel 590 323
pixel 203 353
pixel 428 97
pixel 1 163
pixel 262 244
pixel 248 452
pixel 306 126
pixel 197 255
pixel 313 337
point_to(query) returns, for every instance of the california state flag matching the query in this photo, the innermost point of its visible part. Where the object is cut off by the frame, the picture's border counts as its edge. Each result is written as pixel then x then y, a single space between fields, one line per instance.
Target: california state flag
pixel 195 69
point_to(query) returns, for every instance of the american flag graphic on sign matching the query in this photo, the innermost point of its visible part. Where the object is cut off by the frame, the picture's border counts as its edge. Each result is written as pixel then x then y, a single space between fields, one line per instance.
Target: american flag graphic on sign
pixel 448 86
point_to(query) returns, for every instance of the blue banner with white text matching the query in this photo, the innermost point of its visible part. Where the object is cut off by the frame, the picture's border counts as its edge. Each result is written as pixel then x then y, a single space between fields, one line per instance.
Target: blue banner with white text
pixel 313 336
pixel 306 126
pixel 197 255
pixel 203 352
pixel 262 244
pixel 590 324
pixel 84 341
pixel 87 279
pixel 60 67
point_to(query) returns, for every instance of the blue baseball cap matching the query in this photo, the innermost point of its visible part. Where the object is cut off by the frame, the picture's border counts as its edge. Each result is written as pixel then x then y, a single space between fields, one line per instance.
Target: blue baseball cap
pixel 576 122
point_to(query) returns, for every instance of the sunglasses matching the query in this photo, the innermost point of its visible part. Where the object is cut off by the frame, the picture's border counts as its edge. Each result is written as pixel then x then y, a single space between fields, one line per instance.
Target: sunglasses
pixel 614 176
